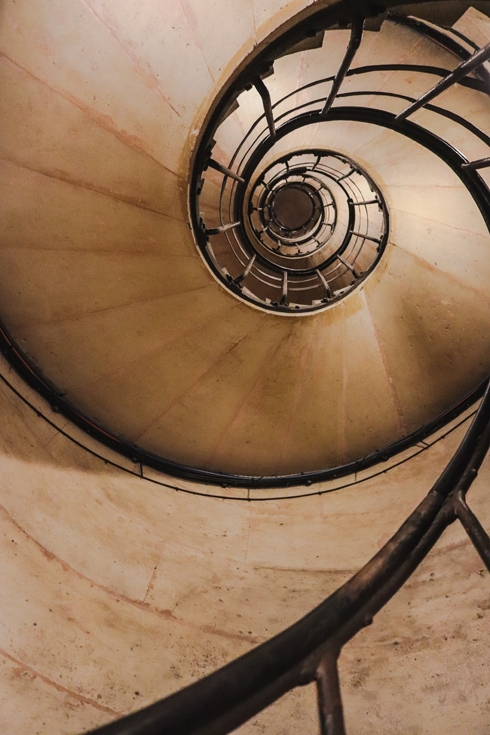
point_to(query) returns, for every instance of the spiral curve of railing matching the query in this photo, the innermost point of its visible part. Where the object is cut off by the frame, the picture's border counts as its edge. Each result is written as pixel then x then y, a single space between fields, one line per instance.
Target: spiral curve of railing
pixel 292 268
pixel 297 267
pixel 263 237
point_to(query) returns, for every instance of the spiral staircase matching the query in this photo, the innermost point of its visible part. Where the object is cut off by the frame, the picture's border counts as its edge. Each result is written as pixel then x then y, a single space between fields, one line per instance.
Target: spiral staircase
pixel 254 257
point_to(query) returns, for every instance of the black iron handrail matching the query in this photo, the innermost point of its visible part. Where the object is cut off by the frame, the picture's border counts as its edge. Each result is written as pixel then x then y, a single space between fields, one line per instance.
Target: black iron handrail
pixel 428 139
pixel 348 471
pixel 143 458
pixel 245 152
pixel 466 169
pixel 354 198
pixel 308 651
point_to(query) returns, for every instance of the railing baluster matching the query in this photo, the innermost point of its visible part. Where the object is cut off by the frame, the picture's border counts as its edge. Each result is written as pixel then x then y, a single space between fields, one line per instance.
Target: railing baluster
pixel 222 228
pixel 247 270
pixel 455 76
pixel 473 165
pixel 354 43
pixel 324 283
pixel 318 159
pixel 284 296
pixel 473 527
pixel 366 237
pixel 360 204
pixel 267 102
pixel 329 697
pixel 346 176
pixel 349 266
pixel 223 170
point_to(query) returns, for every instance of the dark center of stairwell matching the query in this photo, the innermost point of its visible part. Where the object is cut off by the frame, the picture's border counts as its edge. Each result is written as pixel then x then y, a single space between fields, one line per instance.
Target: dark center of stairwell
pixel 293 208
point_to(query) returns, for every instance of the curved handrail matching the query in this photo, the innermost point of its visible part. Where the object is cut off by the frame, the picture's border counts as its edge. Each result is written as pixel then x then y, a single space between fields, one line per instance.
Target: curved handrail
pixel 307 651
pixel 438 36
pixel 143 458
pixel 296 116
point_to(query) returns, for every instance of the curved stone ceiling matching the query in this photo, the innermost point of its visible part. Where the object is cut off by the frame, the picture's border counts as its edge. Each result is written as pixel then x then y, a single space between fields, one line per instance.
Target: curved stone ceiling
pixel 103 287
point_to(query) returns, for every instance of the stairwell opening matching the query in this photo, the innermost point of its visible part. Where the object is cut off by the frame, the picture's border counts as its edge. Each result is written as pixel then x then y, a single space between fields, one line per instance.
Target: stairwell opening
pixel 147 584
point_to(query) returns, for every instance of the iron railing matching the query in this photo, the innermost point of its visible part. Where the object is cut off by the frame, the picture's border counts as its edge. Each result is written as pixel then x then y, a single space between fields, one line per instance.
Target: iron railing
pixel 260 139
pixel 234 247
pixel 308 651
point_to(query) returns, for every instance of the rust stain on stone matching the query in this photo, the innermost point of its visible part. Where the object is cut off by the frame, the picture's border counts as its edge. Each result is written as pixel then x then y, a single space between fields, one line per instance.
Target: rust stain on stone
pixel 151 584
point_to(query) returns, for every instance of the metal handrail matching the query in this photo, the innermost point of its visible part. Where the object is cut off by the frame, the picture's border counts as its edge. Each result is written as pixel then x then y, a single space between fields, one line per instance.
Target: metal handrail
pixel 307 651
pixel 144 458
pixel 389 121
pixel 465 68
pixel 354 197
pixel 237 241
pixel 352 48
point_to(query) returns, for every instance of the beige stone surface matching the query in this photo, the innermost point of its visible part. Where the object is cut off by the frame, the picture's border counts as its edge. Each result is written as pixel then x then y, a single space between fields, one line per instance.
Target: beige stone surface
pixel 69 48
pixel 403 330
pixel 47 133
pixel 475 25
pixel 118 590
pixel 115 586
pixel 105 290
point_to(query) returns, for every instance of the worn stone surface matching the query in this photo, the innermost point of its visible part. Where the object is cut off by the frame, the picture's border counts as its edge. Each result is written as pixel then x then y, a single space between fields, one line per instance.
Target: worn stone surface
pixel 117 591
pixel 107 294
pixel 114 586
